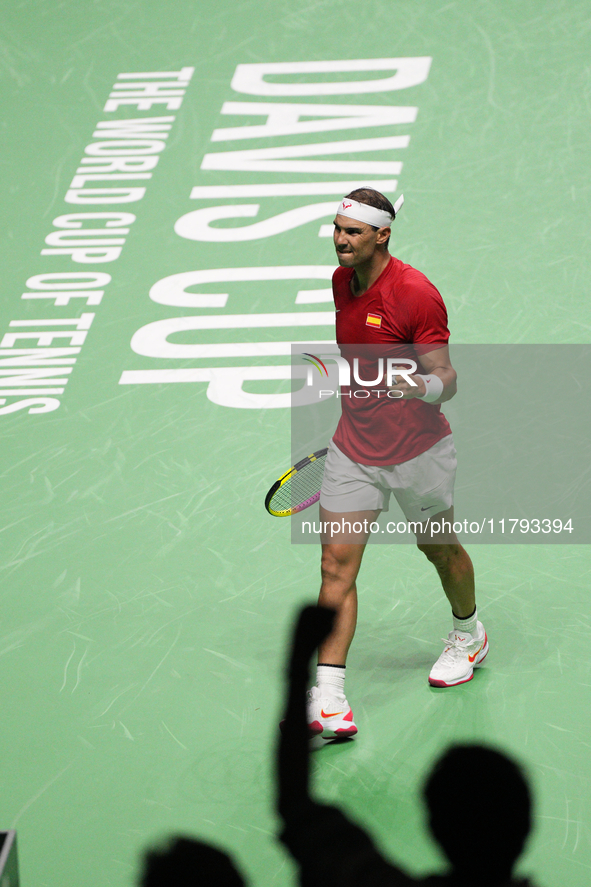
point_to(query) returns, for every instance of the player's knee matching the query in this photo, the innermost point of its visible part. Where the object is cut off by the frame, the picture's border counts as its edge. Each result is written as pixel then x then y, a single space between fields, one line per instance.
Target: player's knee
pixel 438 555
pixel 337 568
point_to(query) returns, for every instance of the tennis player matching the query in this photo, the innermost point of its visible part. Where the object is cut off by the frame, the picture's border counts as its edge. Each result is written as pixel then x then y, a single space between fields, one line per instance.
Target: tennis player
pixel 398 443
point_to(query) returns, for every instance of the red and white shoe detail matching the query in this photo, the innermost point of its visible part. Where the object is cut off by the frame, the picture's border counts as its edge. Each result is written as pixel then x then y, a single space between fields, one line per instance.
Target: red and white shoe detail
pixel 328 717
pixel 462 654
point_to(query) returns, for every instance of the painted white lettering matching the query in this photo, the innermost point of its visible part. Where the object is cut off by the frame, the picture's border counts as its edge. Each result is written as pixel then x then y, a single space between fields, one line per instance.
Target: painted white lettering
pixel 68 280
pixel 285 119
pixel 88 255
pixel 73 238
pixel 104 195
pixel 313 297
pixel 125 148
pixel 249 78
pixel 152 340
pixel 272 159
pixel 225 384
pixel 60 299
pixel 43 405
pixel 132 128
pixel 155 88
pixel 80 181
pixel 18 378
pixel 74 220
pixel 117 164
pixel 184 74
pixel 44 339
pixel 195 225
pixel 140 98
pixel 32 357
pixel 288 189
pixel 61 286
pixel 225 387
pixel 19 392
pixel 172 290
pixel 84 322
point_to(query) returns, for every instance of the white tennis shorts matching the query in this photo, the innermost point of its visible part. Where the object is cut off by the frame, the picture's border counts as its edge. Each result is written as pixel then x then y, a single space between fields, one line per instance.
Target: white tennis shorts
pixel 423 486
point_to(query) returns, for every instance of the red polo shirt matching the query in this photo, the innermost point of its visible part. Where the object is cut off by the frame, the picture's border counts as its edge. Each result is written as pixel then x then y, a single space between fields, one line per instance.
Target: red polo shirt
pixel 401 315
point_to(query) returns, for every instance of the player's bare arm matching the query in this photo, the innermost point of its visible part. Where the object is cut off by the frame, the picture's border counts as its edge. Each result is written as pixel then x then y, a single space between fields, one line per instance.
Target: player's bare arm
pixel 435 363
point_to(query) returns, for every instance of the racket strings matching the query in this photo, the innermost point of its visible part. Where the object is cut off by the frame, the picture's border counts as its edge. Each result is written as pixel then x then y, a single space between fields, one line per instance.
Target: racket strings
pixel 304 484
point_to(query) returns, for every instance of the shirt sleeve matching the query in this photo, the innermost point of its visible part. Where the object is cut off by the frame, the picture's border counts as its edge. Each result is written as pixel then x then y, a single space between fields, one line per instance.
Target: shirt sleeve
pixel 340 286
pixel 329 848
pixel 423 312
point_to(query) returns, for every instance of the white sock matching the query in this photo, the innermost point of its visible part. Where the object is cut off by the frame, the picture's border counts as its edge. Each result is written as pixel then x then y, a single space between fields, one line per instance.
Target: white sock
pixel 330 680
pixel 468 625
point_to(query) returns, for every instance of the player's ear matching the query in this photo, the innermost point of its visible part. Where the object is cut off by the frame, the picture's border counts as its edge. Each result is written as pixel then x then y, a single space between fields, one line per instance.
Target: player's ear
pixel 384 235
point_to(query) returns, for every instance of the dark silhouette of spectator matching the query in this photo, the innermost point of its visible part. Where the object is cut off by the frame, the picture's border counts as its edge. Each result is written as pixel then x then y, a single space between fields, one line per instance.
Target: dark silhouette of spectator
pixel 482 835
pixel 189 863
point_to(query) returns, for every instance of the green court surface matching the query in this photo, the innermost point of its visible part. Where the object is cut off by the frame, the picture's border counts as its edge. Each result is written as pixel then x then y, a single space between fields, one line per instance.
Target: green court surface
pixel 146 594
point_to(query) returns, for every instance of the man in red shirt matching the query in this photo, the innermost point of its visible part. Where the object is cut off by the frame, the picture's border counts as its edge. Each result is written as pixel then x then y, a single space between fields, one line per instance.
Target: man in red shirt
pixel 394 441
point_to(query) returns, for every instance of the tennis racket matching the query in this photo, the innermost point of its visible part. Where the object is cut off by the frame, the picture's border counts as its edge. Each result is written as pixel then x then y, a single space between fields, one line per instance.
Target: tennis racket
pixel 298 488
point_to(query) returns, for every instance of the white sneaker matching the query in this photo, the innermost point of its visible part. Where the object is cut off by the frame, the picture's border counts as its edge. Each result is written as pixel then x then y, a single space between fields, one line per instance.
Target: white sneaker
pixel 463 653
pixel 329 717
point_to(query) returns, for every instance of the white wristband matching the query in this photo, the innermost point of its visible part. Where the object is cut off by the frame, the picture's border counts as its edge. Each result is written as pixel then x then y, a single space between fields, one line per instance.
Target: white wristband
pixel 434 388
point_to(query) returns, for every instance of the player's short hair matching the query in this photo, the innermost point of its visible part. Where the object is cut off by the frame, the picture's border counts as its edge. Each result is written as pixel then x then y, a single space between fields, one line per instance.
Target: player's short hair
pixel 479 810
pixel 373 198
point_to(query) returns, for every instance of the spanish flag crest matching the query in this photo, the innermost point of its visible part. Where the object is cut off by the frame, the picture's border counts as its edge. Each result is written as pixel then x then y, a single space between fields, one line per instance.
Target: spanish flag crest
pixel 373 320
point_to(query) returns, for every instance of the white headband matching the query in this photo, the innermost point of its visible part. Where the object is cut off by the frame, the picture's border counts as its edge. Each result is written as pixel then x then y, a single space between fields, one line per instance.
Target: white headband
pixel 362 212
